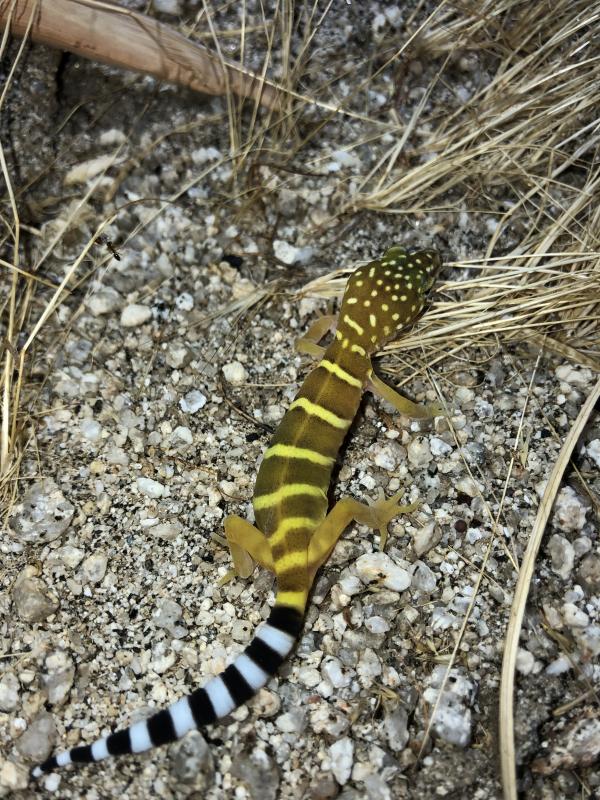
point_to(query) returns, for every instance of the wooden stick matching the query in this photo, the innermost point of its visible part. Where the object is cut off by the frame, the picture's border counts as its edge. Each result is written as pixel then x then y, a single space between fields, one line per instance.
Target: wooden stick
pixel 105 32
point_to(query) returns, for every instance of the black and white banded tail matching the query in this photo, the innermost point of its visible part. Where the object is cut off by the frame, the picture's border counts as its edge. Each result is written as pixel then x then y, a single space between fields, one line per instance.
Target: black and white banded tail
pixel 250 671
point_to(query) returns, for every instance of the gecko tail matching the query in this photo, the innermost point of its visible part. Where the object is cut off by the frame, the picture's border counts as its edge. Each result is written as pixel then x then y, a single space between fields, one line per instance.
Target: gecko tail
pixel 251 670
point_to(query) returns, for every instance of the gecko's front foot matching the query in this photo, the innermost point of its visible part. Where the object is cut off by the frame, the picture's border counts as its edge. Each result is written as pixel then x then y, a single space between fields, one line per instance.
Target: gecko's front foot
pixel 384 510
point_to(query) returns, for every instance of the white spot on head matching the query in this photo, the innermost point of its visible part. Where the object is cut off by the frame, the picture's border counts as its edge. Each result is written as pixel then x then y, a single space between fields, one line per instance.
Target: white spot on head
pixel 385 307
pixel 392 262
pixel 359 283
pixel 394 297
pixel 351 301
pixel 367 303
pixel 373 339
pixel 395 317
pixel 387 272
pixel 413 308
pixel 418 261
pixel 374 293
pixel 403 298
pixel 371 272
pixel 373 320
pixel 386 330
pixel 379 282
pixel 409 285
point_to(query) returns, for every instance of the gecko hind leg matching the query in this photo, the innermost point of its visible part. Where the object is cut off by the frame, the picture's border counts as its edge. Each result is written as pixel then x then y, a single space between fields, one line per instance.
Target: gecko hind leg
pixel 377 515
pixel 247 545
pixel 403 404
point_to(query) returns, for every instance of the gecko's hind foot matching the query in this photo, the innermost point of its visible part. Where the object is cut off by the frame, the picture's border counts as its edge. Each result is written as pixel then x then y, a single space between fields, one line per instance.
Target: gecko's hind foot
pixel 384 510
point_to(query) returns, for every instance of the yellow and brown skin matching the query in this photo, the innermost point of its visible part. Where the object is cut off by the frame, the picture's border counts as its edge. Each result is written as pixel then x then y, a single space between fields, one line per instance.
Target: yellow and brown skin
pixel 294 533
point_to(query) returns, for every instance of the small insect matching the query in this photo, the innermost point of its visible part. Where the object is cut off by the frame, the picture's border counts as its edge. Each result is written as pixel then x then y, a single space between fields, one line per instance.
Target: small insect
pixel 103 239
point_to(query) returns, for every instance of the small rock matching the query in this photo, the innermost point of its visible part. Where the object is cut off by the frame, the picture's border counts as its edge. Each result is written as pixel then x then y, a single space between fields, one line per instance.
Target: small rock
pixel 184 301
pixel 150 488
pixel 134 315
pixel 562 555
pixel 289 254
pixel 368 667
pixel 377 624
pixel 419 452
pixel 293 721
pixel 378 569
pixel 427 538
pixel 91 430
pixel 193 401
pixel 574 617
pixel 32 599
pixel 58 679
pixel 259 772
pixel 12 777
pixel 94 567
pixel 396 729
pixel 38 740
pixel 170 618
pixel 338 675
pixel 423 578
pixel 569 511
pixel 309 677
pixel 235 373
pixel 67 555
pixel 341 754
pixel 593 451
pixel 9 692
pixel 42 516
pixel 452 721
pixel 525 662
pixel 104 301
pixel 192 764
pixel 577 747
pixel 589 573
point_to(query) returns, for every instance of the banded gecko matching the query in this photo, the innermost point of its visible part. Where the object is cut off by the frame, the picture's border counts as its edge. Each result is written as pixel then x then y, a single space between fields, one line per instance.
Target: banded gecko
pixel 294 532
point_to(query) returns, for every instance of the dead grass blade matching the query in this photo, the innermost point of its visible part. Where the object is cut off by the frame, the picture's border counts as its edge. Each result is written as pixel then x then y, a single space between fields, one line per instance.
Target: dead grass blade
pixel 113 35
pixel 517 611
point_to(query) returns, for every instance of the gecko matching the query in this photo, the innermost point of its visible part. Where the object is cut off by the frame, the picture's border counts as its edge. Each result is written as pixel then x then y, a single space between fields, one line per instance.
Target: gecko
pixel 295 531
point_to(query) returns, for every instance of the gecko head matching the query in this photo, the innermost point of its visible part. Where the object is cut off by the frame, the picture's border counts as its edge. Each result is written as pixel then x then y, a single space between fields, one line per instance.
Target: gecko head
pixel 386 295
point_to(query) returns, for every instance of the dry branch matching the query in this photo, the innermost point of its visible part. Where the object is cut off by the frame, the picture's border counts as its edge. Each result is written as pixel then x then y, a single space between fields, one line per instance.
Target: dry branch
pixel 105 32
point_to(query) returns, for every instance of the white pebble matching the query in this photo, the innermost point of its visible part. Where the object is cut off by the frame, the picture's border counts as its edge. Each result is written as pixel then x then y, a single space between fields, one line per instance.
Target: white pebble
pixel 341 754
pixel 562 555
pixel 104 301
pixel 184 301
pixel 309 676
pixel 235 373
pixel 574 617
pixel 182 434
pixel 379 569
pixel 419 453
pixel 525 661
pixel 193 401
pixel 134 315
pixel 335 672
pixel 593 451
pixel 377 625
pixel 9 692
pixel 91 430
pixel 439 447
pixel 558 666
pixel 569 511
pixel 94 567
pixel 289 254
pixel 150 488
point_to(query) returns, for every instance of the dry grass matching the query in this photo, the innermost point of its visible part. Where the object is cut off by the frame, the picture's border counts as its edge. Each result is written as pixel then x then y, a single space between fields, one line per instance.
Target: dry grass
pixel 521 152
